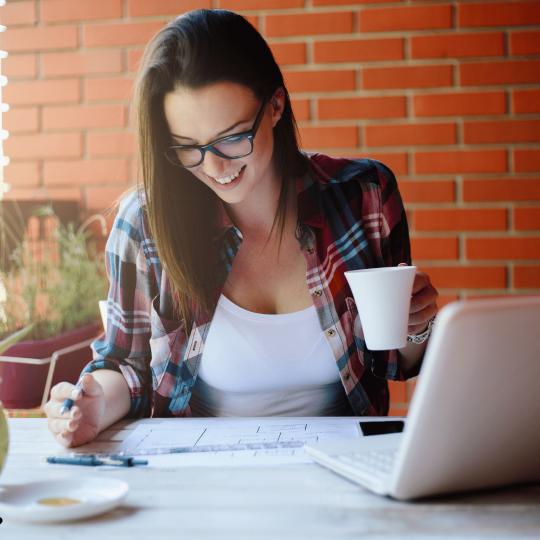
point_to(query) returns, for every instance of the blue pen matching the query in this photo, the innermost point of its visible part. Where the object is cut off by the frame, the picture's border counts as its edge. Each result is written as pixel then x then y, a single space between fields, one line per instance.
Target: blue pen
pixel 68 403
pixel 91 460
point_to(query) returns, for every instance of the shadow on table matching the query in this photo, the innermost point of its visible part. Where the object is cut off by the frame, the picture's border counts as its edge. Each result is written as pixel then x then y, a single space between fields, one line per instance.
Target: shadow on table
pixel 528 493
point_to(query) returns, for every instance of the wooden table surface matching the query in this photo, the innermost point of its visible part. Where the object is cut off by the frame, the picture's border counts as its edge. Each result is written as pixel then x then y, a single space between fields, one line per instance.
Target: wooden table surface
pixel 286 502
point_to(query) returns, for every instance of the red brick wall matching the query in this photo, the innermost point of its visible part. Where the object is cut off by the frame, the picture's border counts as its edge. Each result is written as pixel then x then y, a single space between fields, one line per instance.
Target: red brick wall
pixel 445 92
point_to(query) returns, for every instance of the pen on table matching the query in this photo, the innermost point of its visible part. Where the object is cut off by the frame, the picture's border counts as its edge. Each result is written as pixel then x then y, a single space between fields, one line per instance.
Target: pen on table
pixel 91 460
pixel 68 402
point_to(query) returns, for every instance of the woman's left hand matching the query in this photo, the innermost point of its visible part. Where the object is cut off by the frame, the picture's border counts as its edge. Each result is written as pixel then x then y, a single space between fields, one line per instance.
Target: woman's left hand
pixel 423 303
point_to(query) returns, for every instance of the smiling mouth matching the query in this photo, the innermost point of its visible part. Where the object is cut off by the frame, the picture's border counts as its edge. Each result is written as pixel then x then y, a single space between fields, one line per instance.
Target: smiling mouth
pixel 228 179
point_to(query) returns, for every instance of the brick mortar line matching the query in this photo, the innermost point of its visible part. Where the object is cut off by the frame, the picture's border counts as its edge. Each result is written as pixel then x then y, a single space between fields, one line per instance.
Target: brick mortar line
pixel 510 219
pixel 445 148
pixel 440 90
pixel 510 270
pixel 356 22
pixel 473 177
pixel 460 128
pixel 335 36
pixel 456 265
pixel 337 95
pixel 358 79
pixel 435 235
pixel 508 102
pixel 502 234
pixel 506 30
pixel 124 60
pixel 410 162
pixel 510 161
pixel 398 34
pixel 261 23
pixel 533 263
pixel 407 48
pixel 360 92
pixel 311 63
pixel 352 7
pixel 454 15
pixel 412 62
pixel 458 189
pixel 503 291
pixel 397 121
pixel 461 248
pixel 343 94
pixel 409 106
pixel 483 146
pixel 310 52
pixel 457 206
pixel 312 104
pixel 166 18
pixel 420 121
pixel 378 36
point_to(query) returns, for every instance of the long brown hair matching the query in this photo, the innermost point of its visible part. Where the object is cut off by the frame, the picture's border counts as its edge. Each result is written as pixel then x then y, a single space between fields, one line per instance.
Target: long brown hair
pixel 196 49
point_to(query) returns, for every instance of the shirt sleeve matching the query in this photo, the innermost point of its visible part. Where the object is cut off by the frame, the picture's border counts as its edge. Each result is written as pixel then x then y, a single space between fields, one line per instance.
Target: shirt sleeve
pixel 395 249
pixel 125 345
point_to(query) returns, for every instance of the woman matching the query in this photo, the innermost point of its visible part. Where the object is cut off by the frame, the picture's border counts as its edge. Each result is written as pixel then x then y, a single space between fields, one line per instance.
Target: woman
pixel 238 228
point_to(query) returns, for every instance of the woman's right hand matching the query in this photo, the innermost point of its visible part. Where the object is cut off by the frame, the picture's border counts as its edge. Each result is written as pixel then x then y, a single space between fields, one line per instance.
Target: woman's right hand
pixel 81 424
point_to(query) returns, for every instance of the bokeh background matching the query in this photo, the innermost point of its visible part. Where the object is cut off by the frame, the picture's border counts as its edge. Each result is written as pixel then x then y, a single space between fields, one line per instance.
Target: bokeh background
pixel 447 93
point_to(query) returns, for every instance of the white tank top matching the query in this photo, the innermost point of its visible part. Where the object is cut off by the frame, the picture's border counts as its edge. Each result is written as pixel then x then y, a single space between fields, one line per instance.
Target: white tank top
pixel 256 364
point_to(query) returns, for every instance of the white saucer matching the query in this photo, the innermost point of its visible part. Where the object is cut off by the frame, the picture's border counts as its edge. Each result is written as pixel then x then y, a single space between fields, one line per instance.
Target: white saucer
pixel 95 495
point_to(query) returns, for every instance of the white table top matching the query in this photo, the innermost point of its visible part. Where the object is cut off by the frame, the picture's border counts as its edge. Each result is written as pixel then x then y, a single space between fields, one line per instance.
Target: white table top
pixel 292 501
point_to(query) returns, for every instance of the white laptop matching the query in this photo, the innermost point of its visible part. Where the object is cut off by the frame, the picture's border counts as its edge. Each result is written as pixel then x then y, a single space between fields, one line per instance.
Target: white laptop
pixel 474 420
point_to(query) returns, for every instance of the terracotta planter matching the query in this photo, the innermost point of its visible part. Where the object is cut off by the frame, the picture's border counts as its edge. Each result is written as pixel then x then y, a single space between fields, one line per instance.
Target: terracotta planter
pixel 43 364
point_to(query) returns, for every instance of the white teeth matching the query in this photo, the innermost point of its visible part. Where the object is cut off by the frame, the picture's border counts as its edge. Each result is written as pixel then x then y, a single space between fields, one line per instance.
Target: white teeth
pixel 227 179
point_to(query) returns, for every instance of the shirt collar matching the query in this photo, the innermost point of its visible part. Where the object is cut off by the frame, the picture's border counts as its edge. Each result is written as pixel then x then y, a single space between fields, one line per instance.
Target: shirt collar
pixel 308 193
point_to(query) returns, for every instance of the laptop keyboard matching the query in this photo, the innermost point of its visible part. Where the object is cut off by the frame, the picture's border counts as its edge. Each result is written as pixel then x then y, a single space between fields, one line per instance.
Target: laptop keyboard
pixel 376 463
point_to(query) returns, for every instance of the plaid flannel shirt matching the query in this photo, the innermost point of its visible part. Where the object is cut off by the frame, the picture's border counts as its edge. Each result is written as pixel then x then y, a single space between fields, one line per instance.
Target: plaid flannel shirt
pixel 350 216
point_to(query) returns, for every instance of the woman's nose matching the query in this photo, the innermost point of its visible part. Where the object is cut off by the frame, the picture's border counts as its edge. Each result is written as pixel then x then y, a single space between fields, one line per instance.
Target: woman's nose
pixel 213 165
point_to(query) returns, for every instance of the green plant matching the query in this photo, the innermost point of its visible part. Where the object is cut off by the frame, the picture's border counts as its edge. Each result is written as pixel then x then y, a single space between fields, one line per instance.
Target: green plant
pixel 6 343
pixel 52 283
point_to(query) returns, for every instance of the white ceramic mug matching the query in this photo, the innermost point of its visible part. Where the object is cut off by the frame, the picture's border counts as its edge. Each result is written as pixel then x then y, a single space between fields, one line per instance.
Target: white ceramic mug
pixel 383 299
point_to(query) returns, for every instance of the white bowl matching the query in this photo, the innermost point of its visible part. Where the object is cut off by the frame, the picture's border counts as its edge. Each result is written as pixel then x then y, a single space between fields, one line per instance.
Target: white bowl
pixel 94 496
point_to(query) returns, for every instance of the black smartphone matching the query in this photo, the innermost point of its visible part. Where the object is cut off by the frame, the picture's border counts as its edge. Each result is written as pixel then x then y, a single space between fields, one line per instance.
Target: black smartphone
pixel 381 427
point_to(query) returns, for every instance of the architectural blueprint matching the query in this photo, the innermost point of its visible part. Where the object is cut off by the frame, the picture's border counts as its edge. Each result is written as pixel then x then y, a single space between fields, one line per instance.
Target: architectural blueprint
pixel 193 437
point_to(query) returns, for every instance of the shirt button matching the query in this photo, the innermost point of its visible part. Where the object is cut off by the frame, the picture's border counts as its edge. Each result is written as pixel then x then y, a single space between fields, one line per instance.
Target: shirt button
pixel 317 292
pixel 331 332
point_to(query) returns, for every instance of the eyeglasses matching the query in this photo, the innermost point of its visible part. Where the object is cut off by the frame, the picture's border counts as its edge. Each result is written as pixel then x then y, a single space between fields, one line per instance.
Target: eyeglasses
pixel 229 147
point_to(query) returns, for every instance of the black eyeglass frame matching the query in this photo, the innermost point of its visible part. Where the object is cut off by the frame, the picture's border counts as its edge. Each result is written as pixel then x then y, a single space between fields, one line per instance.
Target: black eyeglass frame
pixel 249 135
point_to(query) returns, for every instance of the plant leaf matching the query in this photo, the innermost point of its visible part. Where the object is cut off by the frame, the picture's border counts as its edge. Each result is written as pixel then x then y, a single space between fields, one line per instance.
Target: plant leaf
pixel 6 343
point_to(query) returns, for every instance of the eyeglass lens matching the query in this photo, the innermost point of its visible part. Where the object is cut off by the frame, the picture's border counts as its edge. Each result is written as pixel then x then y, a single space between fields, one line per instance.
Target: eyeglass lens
pixel 233 147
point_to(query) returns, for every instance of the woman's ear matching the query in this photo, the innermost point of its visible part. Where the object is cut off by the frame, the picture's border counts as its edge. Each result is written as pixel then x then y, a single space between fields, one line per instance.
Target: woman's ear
pixel 278 105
